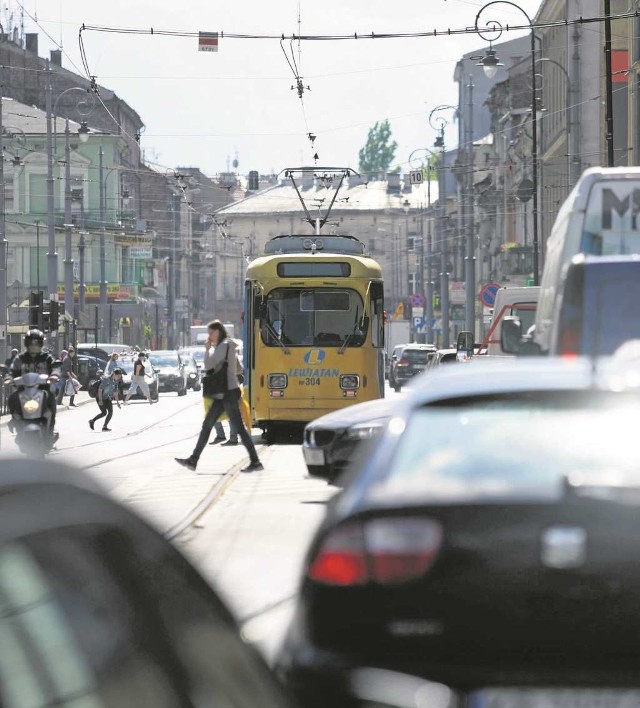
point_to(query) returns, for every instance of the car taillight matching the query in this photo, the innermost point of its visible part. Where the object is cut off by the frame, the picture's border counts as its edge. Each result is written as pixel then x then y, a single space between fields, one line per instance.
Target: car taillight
pixel 341 559
pixel 570 341
pixel 403 362
pixel 386 551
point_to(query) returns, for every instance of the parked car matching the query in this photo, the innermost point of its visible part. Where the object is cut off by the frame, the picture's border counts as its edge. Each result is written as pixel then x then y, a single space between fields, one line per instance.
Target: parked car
pixel 101 610
pixel 126 363
pixel 413 360
pixel 171 369
pixel 330 441
pixel 89 367
pixel 443 356
pixel 488 541
pixel 193 371
pixel 395 356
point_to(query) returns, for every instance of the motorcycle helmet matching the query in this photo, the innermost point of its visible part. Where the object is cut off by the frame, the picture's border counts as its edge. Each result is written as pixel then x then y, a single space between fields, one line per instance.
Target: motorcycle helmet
pixel 34 336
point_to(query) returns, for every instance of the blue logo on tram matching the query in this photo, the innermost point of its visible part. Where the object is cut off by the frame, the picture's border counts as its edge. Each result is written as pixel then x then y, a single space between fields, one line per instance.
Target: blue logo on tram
pixel 314 356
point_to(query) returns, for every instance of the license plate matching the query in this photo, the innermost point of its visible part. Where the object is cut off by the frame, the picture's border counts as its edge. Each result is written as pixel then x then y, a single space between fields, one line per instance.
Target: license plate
pixel 554 698
pixel 313 457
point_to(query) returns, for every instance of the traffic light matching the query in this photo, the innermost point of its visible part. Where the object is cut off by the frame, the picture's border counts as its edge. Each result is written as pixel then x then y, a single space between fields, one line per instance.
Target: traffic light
pixel 35 310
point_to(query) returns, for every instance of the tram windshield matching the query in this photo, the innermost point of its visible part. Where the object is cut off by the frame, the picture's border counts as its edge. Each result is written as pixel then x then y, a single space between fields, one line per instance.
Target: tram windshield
pixel 297 317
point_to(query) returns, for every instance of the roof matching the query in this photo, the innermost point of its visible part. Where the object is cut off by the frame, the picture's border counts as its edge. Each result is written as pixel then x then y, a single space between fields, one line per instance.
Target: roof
pixel 353 196
pixel 29 119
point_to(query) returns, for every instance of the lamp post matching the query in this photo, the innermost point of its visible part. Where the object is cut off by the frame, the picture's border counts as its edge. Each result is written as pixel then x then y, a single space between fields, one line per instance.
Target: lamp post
pixel 490 63
pixel 427 256
pixel 437 122
pixel 3 245
pixel 52 255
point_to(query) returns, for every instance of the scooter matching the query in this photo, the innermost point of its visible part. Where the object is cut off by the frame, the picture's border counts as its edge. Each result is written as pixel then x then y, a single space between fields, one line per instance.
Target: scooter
pixel 30 415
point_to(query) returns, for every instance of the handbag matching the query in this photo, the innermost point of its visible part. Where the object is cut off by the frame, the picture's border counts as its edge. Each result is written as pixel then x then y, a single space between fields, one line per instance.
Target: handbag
pixel 69 390
pixel 215 382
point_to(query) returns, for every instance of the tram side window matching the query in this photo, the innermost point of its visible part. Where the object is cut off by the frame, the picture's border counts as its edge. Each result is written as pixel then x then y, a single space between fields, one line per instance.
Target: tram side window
pixel 377 315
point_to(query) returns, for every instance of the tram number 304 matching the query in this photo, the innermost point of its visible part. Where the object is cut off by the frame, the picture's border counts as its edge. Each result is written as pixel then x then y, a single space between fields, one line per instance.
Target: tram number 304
pixel 310 381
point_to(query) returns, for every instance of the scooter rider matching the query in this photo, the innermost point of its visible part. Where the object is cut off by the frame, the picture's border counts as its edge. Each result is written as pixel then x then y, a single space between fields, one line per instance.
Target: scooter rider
pixel 33 359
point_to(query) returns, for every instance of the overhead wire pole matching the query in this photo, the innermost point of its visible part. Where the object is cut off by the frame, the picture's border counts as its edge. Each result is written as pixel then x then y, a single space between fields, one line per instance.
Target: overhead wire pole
pixel 68 244
pixel 103 256
pixel 52 255
pixel 3 239
pixel 609 83
pixel 470 256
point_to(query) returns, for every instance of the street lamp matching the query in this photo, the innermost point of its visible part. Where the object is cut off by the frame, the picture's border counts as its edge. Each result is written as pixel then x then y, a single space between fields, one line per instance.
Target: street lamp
pixel 490 63
pixel 437 122
pixel 52 255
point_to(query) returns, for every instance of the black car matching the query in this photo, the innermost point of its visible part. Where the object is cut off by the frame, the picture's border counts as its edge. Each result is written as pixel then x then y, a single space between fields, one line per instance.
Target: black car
pixel 100 610
pixel 330 441
pixel 89 367
pixel 488 542
pixel 171 369
pixel 413 360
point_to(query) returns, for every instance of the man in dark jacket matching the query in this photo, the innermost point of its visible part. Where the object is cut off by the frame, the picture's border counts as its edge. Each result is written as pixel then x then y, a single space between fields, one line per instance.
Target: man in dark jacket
pixel 33 359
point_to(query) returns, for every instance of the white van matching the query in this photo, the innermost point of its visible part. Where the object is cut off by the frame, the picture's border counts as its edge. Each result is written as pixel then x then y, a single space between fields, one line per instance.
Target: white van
pixel 600 217
pixel 516 301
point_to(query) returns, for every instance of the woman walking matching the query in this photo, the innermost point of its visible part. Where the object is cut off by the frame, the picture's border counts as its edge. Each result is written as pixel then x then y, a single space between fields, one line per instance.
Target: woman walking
pixel 221 349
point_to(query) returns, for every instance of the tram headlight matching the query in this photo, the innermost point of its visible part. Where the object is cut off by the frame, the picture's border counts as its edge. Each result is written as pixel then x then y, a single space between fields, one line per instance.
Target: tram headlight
pixel 277 381
pixel 348 382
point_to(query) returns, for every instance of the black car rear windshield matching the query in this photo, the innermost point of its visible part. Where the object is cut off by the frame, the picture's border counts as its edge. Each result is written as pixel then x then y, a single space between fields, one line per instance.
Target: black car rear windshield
pixel 416 356
pixel 526 446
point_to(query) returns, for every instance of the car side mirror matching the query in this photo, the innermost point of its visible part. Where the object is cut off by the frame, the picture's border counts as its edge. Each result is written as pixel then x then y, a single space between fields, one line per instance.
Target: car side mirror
pixel 99 372
pixel 510 334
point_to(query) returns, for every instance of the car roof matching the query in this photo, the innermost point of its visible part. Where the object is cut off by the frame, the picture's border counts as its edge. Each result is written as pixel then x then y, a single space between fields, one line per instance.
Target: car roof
pixel 488 375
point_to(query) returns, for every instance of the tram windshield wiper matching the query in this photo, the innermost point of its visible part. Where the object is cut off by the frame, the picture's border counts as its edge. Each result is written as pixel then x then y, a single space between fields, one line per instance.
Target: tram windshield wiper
pixel 356 329
pixel 275 336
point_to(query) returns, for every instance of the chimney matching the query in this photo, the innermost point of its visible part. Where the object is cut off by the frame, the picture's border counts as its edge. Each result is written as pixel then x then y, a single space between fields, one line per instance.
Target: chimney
pixel 31 42
pixel 56 57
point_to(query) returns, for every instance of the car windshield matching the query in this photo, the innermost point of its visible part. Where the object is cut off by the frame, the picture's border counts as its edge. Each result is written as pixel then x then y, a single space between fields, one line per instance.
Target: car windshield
pixel 198 355
pixel 125 364
pixel 530 446
pixel 165 360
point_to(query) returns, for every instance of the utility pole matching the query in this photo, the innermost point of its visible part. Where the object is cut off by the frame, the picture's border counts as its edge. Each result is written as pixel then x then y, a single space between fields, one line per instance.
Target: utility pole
pixel 52 255
pixel 470 257
pixel 428 310
pixel 444 257
pixel 609 82
pixel 68 255
pixel 3 242
pixel 81 291
pixel 103 255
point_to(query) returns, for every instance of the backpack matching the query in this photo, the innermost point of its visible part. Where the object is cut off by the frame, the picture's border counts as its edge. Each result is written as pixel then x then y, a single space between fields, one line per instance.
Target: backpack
pixel 92 388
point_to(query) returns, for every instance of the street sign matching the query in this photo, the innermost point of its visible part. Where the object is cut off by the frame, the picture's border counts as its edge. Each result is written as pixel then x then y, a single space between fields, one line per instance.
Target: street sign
pixel 416 299
pixel 417 311
pixel 488 293
pixel 415 177
pixel 418 323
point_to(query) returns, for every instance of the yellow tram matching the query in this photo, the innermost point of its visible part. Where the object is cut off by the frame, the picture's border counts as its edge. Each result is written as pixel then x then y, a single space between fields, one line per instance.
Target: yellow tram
pixel 314 329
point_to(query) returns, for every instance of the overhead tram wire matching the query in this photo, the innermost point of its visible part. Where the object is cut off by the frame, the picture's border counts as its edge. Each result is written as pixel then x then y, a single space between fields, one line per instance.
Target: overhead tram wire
pixel 362 36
